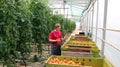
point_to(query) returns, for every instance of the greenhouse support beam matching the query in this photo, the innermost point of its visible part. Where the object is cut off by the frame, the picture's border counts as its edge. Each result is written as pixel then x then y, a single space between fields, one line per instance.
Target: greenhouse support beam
pixel 64 7
pixel 71 10
pixel 97 20
pixel 81 23
pixel 104 26
pixel 89 17
pixel 84 24
pixel 92 4
pixel 86 12
pixel 87 23
pixel 77 7
pixel 92 20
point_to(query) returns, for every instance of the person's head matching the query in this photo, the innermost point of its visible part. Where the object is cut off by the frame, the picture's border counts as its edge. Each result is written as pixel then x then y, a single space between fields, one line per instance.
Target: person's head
pixel 57 26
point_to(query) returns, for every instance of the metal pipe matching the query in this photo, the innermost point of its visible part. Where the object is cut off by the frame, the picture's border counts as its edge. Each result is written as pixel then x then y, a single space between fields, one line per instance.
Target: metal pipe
pixel 104 26
pixel 88 23
pixel 89 7
pixel 97 19
pixel 108 43
pixel 84 24
pixel 71 10
pixel 92 21
pixel 64 7
pixel 108 29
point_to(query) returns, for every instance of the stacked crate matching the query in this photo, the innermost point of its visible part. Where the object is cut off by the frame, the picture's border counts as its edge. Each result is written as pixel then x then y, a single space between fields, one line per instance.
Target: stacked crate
pixel 80 46
pixel 79 51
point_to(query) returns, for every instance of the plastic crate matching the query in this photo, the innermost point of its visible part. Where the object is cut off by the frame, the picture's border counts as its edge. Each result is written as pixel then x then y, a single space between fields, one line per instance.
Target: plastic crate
pixel 47 64
pixel 80 48
pixel 96 53
pixel 76 54
pixel 82 38
pixel 64 47
pixel 79 34
pixel 72 38
pixel 81 42
pixel 93 47
pixel 86 62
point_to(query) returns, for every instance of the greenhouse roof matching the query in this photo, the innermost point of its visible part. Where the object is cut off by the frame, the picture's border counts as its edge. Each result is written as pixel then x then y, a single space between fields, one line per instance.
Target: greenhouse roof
pixel 77 7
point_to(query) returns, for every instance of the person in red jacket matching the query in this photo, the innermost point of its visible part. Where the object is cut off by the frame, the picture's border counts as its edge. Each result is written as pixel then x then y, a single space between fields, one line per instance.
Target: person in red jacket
pixel 55 37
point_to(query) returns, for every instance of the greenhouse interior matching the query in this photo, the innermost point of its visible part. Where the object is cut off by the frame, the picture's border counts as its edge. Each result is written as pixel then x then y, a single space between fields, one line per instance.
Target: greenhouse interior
pixel 88 33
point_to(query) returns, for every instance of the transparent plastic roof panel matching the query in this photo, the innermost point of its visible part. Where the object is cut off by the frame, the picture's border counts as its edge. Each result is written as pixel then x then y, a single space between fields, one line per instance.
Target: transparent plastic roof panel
pixel 73 8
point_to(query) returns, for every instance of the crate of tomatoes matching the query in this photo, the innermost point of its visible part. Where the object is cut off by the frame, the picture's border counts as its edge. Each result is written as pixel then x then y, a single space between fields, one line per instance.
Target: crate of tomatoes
pixel 67 61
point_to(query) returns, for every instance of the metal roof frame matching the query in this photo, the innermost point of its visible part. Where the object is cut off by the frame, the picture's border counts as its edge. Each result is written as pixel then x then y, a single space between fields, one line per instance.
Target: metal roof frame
pixel 79 4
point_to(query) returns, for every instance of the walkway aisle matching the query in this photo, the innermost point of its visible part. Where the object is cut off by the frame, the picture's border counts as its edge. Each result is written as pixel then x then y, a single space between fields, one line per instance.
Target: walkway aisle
pixel 77 30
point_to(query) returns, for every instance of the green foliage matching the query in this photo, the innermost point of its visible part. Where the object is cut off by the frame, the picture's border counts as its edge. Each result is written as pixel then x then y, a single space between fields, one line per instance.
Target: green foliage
pixel 15 29
pixel 40 20
pixel 66 24
pixel 23 22
pixel 24 28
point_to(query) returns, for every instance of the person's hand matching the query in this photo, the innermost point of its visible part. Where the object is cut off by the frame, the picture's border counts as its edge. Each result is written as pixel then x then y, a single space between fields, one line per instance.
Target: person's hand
pixel 65 37
pixel 58 41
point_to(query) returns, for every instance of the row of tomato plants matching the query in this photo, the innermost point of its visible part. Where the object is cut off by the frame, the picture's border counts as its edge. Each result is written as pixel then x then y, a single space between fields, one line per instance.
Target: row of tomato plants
pixel 23 22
